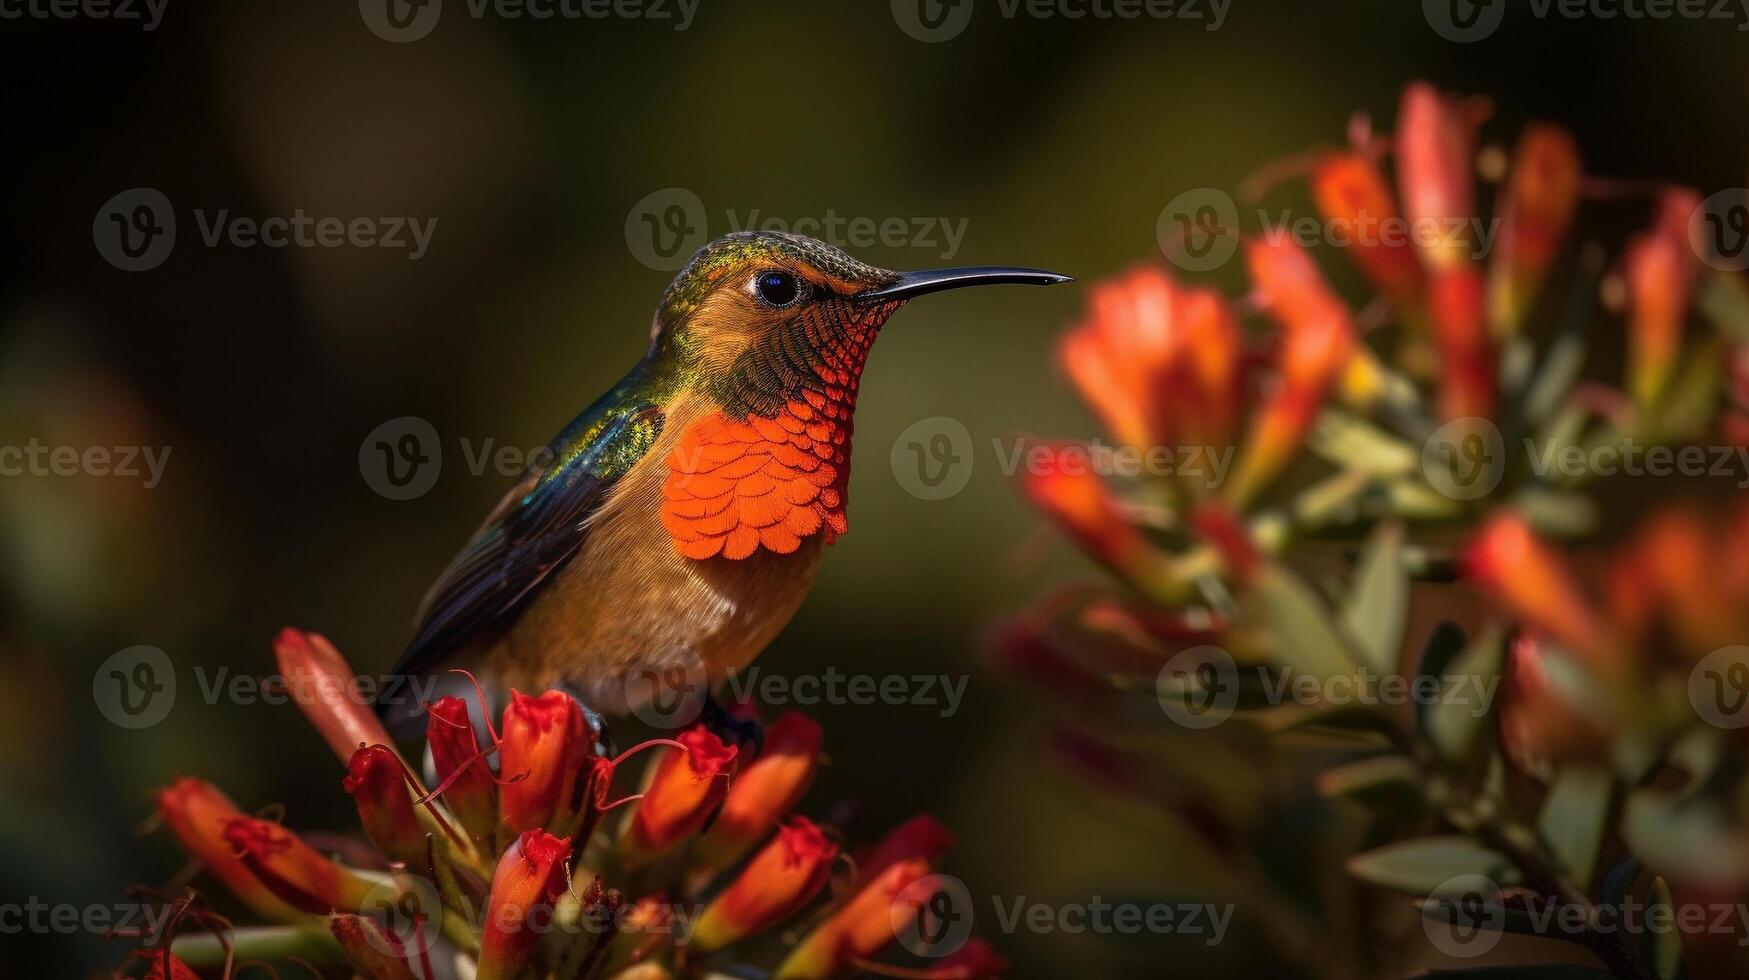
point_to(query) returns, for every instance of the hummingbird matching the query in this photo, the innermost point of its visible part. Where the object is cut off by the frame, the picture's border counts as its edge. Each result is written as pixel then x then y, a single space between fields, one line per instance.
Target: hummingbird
pixel 674 527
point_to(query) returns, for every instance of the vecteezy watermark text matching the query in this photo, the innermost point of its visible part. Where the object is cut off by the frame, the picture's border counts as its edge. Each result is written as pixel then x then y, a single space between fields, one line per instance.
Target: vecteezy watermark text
pixel 402 21
pixel 35 458
pixel 933 21
pixel 149 13
pixel 665 227
pixel 136 229
pixel 1473 20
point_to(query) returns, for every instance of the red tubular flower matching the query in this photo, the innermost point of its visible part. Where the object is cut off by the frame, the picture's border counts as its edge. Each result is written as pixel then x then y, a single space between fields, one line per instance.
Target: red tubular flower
pixel 378 784
pixel 921 838
pixel 1318 340
pixel 766 789
pixel 780 879
pixel 530 878
pixel 976 960
pixel 1660 268
pixel 686 787
pixel 374 951
pixel 1211 392
pixel 1689 580
pixel 1351 192
pixel 1536 210
pixel 323 686
pixel 164 966
pixel 1122 355
pixel 1435 143
pixel 857 931
pixel 468 789
pixel 197 813
pixel 541 753
pixel 1538 727
pixel 1064 486
pixel 294 871
pixel 1508 561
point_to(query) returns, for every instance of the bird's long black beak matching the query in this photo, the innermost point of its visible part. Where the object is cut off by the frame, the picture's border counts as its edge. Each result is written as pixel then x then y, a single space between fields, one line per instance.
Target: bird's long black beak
pixel 912 284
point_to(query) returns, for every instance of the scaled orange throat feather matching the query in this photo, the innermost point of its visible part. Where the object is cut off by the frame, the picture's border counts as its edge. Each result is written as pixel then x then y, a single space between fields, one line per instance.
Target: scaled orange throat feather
pixel 771 478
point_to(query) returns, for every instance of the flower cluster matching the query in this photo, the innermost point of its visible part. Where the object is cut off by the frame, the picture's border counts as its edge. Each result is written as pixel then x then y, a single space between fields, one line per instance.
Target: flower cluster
pixel 1400 448
pixel 512 864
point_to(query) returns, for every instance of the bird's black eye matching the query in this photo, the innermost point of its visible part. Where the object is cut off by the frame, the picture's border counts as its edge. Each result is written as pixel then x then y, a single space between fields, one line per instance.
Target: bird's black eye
pixel 777 288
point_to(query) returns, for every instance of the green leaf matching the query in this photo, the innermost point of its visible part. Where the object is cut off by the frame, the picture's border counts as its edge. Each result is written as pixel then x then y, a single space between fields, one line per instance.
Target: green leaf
pixel 1468 690
pixel 1385 781
pixel 1304 637
pixel 1430 866
pixel 1378 601
pixel 1346 441
pixel 1663 943
pixel 1684 838
pixel 1573 819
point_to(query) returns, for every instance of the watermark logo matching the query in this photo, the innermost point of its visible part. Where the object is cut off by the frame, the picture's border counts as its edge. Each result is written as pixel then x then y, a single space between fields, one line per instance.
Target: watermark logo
pixel 667 693
pixel 1464 21
pixel 1464 918
pixel 1199 229
pixel 933 916
pixel 1464 459
pixel 400 21
pixel 664 228
pixel 407 910
pixel 932 21
pixel 1718 687
pixel 401 458
pixel 1473 20
pixel 932 458
pixel 135 230
pixel 135 688
pixel 1198 688
pixel 36 458
pixel 1719 230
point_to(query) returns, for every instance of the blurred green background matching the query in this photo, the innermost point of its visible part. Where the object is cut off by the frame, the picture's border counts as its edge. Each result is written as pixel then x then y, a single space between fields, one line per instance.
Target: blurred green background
pixel 1057 142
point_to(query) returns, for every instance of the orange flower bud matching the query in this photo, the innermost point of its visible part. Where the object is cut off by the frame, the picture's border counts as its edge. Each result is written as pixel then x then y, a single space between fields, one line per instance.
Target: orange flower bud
pixel 1351 192
pixel 1467 366
pixel 1436 139
pixel 197 813
pixel 1537 726
pixel 1660 268
pixel 294 871
pixel 1536 210
pixel 322 684
pixel 1508 561
pixel 1688 580
pixel 976 960
pixel 1122 355
pixel 1215 348
pixel 766 789
pixel 164 966
pixel 541 755
pixel 375 952
pixel 779 880
pixel 920 838
pixel 1318 339
pixel 378 784
pixel 857 931
pixel 530 878
pixel 686 787
pixel 468 789
pixel 1064 486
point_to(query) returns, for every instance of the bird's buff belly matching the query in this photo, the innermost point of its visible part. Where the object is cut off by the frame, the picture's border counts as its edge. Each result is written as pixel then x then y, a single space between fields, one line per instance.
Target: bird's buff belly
pixel 629 608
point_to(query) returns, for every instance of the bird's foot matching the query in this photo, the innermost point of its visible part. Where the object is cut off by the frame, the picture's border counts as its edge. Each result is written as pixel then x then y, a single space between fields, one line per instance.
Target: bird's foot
pixel 743 731
pixel 596 720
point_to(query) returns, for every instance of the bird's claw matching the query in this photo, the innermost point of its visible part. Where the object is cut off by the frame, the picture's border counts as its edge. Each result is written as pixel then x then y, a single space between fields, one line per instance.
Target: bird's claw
pixel 742 732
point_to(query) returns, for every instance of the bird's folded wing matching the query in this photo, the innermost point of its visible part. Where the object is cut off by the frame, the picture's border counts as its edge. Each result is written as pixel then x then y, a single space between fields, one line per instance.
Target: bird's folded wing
pixel 540 525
